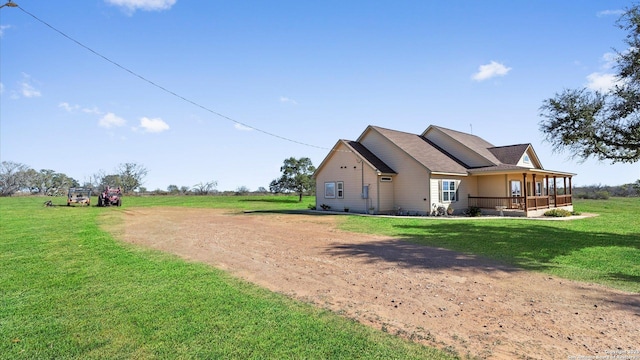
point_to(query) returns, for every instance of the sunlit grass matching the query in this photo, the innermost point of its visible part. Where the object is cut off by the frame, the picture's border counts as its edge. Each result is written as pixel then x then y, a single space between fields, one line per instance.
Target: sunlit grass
pixel 604 249
pixel 69 290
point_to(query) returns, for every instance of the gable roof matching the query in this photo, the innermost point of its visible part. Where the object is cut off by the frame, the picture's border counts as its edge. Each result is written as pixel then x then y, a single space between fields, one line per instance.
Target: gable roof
pixel 362 152
pixel 435 149
pixel 509 154
pixel 375 161
pixel 423 151
pixel 473 143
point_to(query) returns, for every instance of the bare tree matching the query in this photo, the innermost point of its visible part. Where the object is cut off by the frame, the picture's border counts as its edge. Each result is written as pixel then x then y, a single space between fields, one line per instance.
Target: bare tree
pixel 204 188
pixel 131 176
pixel 12 177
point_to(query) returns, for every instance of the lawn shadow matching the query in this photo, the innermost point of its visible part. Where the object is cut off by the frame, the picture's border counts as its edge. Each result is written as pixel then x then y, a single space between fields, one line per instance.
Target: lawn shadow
pixel 279 200
pixel 528 246
pixel 404 253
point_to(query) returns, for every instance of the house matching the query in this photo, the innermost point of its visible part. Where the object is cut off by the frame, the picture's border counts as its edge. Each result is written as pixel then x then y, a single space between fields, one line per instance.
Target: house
pixel 393 172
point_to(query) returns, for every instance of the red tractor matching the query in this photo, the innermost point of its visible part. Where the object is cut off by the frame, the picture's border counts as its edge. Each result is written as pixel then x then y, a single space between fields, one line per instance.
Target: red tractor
pixel 110 197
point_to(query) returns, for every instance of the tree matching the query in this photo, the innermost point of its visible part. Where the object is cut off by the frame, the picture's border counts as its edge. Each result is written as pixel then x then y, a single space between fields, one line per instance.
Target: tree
pixel 173 189
pixel 204 188
pixel 12 177
pixel 49 182
pixel 131 176
pixel 242 190
pixel 296 177
pixel 605 125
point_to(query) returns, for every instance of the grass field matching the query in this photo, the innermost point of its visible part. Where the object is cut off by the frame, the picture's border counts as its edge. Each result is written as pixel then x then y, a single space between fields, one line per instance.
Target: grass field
pixel 603 249
pixel 69 290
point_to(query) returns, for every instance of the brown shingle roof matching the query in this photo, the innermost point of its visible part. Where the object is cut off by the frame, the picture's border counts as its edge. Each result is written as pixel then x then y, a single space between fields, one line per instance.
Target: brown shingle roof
pixel 510 154
pixel 472 142
pixel 370 157
pixel 423 151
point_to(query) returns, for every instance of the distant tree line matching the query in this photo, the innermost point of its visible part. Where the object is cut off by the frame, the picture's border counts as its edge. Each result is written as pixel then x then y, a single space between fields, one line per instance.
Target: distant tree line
pixel 605 191
pixel 16 177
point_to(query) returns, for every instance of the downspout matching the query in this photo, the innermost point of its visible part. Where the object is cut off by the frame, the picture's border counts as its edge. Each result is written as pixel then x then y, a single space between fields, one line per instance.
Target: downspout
pixel 377 194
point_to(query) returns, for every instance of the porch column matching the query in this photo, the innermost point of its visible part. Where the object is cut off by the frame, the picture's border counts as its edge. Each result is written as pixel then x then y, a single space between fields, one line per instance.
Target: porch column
pixel 546 180
pixel 524 192
pixel 570 191
pixel 555 191
pixel 534 187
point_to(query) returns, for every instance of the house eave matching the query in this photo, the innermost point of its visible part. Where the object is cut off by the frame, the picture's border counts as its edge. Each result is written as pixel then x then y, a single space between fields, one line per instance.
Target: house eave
pixel 519 171
pixel 443 173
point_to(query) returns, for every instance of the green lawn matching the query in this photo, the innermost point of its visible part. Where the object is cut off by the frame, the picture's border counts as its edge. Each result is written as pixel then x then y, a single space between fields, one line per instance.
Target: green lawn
pixel 603 249
pixel 70 290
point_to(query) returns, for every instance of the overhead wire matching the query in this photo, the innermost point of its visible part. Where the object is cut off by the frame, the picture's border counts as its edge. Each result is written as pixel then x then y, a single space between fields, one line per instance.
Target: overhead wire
pixel 173 93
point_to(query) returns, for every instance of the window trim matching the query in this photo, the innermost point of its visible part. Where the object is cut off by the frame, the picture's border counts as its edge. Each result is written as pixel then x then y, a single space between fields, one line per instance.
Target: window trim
pixel 386 179
pixel 330 190
pixel 539 189
pixel 452 194
pixel 340 189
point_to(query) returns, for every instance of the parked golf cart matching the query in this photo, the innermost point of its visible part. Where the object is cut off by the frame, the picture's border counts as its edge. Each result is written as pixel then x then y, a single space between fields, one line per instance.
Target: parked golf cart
pixel 110 197
pixel 80 196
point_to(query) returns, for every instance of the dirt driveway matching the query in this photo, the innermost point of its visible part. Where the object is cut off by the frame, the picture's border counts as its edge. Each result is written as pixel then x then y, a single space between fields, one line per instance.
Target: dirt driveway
pixel 434 296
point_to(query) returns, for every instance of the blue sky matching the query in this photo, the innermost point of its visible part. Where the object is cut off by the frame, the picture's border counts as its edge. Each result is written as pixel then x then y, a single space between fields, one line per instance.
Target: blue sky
pixel 309 73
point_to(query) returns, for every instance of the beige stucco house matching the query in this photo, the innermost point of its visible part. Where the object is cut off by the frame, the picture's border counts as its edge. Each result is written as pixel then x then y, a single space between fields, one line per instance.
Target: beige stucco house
pixel 393 172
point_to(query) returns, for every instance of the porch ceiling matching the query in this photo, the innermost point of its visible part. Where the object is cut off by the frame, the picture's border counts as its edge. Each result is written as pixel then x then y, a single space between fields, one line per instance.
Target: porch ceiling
pixel 513 169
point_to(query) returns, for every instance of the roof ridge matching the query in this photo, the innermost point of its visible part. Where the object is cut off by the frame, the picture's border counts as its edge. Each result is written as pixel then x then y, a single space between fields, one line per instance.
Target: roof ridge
pixel 503 146
pixel 398 131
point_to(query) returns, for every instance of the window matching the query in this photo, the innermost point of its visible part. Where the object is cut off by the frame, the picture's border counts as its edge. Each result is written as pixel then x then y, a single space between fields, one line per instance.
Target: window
pixel 448 190
pixel 538 188
pixel 340 187
pixel 330 190
pixel 386 179
pixel 526 159
pixel 516 192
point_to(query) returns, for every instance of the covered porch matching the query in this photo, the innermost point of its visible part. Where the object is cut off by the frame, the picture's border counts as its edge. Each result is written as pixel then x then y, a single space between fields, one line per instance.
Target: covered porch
pixel 529 193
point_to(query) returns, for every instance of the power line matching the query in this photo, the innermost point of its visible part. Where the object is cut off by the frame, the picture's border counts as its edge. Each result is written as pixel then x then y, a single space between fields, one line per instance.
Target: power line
pixel 152 83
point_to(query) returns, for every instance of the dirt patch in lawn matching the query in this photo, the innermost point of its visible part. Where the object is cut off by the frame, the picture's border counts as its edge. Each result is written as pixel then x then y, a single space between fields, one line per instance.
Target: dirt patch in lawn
pixel 434 296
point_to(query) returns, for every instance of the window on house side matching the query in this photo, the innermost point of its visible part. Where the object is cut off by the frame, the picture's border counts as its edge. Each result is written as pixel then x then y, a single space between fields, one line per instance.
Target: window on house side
pixel 330 190
pixel 340 187
pixel 448 190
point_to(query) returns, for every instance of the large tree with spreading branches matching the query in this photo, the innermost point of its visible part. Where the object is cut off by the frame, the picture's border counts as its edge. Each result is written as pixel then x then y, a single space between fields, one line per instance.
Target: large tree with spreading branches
pixel 296 177
pixel 601 124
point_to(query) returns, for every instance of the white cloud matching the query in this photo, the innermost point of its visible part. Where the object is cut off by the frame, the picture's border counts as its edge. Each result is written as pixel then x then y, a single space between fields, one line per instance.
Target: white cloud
pixel 490 70
pixel 284 99
pixel 241 127
pixel 2 27
pixel 130 6
pixel 610 59
pixel 73 108
pixel 111 120
pixel 609 12
pixel 601 81
pixel 67 107
pixel 153 125
pixel 93 110
pixel 26 89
